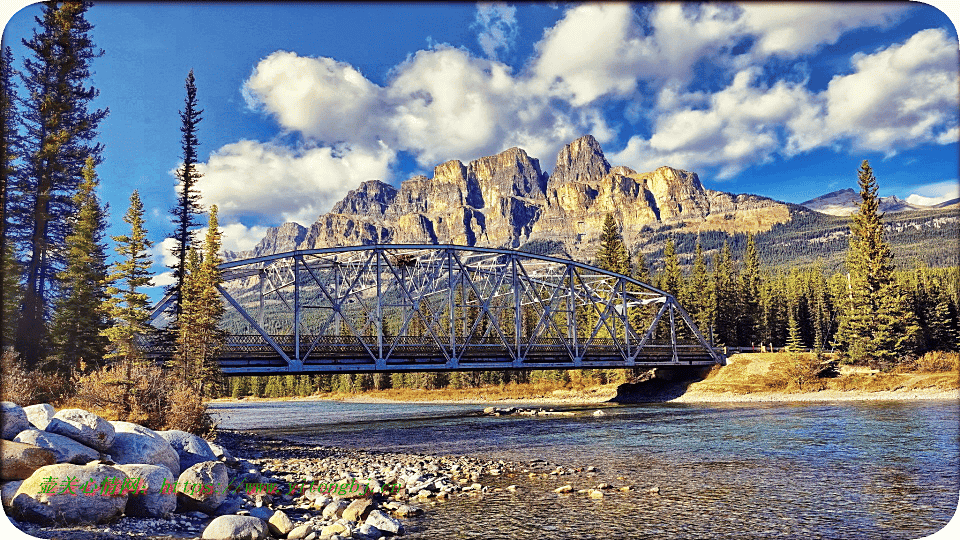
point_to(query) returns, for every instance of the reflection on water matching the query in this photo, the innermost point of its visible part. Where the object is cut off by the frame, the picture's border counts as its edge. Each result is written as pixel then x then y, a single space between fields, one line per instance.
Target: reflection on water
pixel 818 470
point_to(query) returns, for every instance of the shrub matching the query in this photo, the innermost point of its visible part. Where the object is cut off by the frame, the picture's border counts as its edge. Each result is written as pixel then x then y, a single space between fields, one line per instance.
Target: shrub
pixel 27 387
pixel 938 361
pixel 145 394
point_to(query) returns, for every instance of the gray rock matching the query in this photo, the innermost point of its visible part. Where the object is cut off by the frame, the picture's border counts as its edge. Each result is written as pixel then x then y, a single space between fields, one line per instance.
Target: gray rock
pixel 83 427
pixel 222 453
pixel 150 499
pixel 358 510
pixel 95 494
pixel 335 509
pixel 202 487
pixel 235 528
pixel 18 461
pixel 134 443
pixel 40 414
pixel 384 523
pixel 369 531
pixel 12 420
pixel 65 449
pixel 190 448
pixel 8 490
pixel 261 512
pixel 279 524
pixel 230 506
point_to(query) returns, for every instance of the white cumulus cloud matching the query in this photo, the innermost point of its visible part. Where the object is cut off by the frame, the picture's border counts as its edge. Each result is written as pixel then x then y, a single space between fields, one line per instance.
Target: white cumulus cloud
pixel 497 25
pixel 261 181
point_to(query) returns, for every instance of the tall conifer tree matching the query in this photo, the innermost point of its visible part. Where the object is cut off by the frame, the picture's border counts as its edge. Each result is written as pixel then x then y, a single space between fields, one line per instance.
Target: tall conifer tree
pixel 613 254
pixel 10 146
pixel 200 337
pixel 128 307
pixel 188 207
pixel 79 316
pixel 876 326
pixel 58 138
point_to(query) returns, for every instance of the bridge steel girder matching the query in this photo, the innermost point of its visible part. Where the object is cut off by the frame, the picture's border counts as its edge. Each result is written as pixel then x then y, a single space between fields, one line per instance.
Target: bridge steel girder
pixel 425 307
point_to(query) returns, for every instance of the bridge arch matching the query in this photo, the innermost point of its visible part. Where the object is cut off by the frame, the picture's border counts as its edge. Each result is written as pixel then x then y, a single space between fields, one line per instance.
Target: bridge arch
pixel 396 307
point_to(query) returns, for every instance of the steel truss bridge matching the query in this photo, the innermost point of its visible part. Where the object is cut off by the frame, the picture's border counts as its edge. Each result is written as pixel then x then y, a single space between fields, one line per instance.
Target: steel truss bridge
pixel 383 308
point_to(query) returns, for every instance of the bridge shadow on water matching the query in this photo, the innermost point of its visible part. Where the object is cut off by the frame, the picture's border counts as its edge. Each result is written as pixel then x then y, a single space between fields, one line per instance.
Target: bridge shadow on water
pixel 660 385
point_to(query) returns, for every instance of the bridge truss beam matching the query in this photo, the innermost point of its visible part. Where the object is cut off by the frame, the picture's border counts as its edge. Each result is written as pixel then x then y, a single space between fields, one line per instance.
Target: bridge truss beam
pixel 386 308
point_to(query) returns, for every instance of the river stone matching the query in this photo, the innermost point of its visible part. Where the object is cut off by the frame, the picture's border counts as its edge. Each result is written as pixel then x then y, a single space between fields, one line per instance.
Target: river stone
pixel 8 490
pixel 83 427
pixel 235 528
pixel 40 414
pixel 261 512
pixel 18 461
pixel 137 444
pixel 190 448
pixel 65 449
pixel 335 509
pixel 87 506
pixel 358 510
pixel 279 524
pixel 406 510
pixel 12 420
pixel 202 487
pixel 149 500
pixel 333 528
pixel 222 453
pixel 300 532
pixel 369 531
pixel 384 522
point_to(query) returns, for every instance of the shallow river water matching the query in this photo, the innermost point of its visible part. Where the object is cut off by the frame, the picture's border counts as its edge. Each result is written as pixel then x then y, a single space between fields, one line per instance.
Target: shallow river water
pixel 839 470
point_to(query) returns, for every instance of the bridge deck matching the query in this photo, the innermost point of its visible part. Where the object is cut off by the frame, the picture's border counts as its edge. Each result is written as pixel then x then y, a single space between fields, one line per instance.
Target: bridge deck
pixel 248 355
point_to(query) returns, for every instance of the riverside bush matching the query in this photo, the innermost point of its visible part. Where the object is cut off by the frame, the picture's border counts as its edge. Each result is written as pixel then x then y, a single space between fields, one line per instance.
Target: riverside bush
pixel 146 394
pixel 27 387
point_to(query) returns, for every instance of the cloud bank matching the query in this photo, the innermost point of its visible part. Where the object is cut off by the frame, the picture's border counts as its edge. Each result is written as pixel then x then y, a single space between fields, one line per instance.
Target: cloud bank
pixel 447 103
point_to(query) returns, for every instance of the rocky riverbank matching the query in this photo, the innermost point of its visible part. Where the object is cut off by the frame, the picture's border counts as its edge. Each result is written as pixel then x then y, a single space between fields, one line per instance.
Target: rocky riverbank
pixel 274 491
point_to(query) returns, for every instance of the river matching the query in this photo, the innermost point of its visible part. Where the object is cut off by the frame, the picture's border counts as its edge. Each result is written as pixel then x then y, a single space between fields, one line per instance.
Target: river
pixel 838 470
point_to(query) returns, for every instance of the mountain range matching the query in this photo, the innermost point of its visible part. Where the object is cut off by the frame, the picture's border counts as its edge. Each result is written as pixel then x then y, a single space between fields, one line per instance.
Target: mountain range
pixel 506 200
pixel 846 201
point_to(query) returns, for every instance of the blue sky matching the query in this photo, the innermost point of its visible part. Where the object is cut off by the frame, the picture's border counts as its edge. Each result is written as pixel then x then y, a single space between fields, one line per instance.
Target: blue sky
pixel 303 101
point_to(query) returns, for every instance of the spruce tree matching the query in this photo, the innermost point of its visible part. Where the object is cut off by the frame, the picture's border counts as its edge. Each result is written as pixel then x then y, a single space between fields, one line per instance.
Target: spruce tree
pixel 80 317
pixel 698 292
pixel 200 337
pixel 876 326
pixel 724 297
pixel 9 151
pixel 612 255
pixel 748 320
pixel 59 130
pixel 127 306
pixel 671 280
pixel 188 207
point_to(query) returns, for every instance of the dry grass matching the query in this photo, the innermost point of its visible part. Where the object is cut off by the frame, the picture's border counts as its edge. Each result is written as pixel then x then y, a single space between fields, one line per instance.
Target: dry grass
pixel 28 387
pixel 145 394
pixel 751 373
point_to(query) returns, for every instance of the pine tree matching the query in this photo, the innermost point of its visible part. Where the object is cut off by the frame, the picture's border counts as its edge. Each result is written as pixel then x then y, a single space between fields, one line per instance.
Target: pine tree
pixel 188 206
pixel 698 292
pixel 876 326
pixel 724 298
pixel 671 280
pixel 612 254
pixel 58 134
pixel 748 320
pixel 794 341
pixel 200 337
pixel 127 307
pixel 10 145
pixel 80 318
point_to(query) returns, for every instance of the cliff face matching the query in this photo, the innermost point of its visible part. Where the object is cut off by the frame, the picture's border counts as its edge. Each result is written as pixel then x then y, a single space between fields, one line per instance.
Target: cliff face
pixel 506 200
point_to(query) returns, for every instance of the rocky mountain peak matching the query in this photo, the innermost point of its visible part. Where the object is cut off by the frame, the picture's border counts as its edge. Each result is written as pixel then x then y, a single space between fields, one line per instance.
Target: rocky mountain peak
pixel 579 161
pixel 509 173
pixel 371 199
